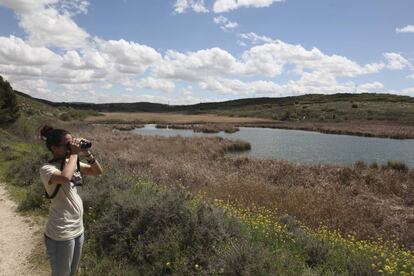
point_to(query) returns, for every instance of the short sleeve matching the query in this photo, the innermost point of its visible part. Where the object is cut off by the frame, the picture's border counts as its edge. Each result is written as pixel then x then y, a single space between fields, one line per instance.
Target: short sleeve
pixel 46 172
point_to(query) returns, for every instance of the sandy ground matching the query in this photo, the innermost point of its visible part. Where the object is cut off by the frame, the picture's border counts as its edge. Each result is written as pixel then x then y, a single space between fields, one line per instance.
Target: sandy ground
pixel 18 237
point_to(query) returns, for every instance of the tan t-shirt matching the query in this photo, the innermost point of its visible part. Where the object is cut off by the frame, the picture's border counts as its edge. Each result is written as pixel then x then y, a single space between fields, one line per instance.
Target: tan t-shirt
pixel 65 220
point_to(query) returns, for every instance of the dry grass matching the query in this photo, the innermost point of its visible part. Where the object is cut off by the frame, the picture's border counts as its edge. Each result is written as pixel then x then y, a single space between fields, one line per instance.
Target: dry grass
pixel 160 118
pixel 372 202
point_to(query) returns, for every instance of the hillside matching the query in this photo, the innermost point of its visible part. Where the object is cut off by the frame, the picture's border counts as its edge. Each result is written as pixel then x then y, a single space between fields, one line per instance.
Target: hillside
pixel 311 107
pixel 31 106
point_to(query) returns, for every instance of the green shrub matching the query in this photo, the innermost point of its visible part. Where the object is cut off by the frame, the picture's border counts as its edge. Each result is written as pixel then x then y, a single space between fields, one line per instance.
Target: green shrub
pixel 159 230
pixel 65 116
pixel 34 198
pixel 316 251
pixel 9 108
pixel 25 171
pixel 358 264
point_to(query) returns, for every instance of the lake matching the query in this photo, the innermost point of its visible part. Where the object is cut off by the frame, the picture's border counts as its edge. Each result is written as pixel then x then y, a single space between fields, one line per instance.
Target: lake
pixel 308 147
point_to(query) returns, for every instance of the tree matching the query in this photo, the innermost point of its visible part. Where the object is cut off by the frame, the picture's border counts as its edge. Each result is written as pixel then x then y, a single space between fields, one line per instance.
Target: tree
pixel 9 109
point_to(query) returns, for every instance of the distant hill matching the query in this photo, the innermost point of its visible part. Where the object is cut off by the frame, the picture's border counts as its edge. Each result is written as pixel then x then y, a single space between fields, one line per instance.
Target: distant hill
pixel 30 106
pixel 341 106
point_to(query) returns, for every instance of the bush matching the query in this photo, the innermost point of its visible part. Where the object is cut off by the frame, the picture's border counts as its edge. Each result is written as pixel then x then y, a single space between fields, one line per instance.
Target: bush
pixel 25 171
pixel 34 198
pixel 358 264
pixel 316 251
pixel 9 109
pixel 64 116
pixel 285 116
pixel 159 230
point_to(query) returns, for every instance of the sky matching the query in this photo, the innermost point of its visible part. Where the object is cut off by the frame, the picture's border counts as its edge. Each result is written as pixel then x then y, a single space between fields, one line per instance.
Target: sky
pixel 192 51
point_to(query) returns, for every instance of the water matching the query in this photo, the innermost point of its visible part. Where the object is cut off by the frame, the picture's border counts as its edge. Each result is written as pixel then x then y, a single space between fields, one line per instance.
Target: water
pixel 308 147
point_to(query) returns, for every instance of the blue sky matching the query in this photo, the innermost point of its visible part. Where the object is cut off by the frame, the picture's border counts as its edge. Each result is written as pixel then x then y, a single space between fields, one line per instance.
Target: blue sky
pixel 190 51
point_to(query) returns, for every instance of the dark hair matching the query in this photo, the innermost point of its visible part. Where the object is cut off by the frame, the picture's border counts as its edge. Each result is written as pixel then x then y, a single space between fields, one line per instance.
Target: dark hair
pixel 52 136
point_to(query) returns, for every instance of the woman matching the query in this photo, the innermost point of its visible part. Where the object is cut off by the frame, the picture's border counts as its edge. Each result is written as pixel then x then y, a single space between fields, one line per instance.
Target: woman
pixel 60 177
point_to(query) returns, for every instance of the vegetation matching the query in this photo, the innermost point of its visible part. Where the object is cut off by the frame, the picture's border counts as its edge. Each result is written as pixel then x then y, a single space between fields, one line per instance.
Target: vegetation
pixel 127 127
pixel 191 209
pixel 32 107
pixel 306 108
pixel 358 128
pixel 204 128
pixel 9 109
pixel 182 206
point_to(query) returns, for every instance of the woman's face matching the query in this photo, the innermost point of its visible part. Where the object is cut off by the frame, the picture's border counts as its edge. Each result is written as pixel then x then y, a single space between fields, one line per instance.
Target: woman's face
pixel 60 150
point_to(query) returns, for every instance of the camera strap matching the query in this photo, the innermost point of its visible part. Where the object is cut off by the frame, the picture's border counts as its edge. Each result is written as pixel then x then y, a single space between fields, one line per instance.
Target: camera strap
pixel 62 165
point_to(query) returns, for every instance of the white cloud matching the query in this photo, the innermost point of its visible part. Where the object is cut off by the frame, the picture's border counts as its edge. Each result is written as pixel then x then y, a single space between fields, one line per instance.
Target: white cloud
pixel 128 57
pixel 193 66
pixel 269 59
pixel 253 38
pixel 186 91
pixel 237 87
pixel 49 22
pixel 396 62
pixel 407 91
pixel 14 51
pixel 228 5
pixel 369 86
pixel 50 28
pixel 224 23
pixel 74 7
pixel 198 6
pixel 106 85
pixel 406 29
pixel 25 6
pixel 35 87
pixel 156 84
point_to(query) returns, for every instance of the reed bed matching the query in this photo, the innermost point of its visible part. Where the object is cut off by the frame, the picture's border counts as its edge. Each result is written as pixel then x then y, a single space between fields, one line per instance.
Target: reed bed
pixel 203 128
pixel 384 129
pixel 127 127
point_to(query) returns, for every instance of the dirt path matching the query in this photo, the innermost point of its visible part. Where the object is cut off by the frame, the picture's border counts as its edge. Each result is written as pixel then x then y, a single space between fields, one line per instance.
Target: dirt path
pixel 18 237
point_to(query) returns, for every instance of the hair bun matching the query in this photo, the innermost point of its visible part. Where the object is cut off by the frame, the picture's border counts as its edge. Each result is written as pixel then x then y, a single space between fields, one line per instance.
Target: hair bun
pixel 45 131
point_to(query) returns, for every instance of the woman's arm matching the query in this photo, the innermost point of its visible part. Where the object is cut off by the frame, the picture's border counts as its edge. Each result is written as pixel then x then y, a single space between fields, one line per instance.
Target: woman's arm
pixel 94 167
pixel 63 177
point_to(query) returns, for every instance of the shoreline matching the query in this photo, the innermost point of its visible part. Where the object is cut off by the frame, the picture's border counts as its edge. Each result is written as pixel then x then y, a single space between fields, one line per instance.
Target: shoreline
pixel 390 130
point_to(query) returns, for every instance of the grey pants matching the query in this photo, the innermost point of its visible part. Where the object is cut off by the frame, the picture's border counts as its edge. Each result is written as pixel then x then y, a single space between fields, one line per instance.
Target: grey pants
pixel 64 256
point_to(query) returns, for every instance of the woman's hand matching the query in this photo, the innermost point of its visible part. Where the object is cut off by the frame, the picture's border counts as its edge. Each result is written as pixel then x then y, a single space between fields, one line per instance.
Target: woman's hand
pixel 74 146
